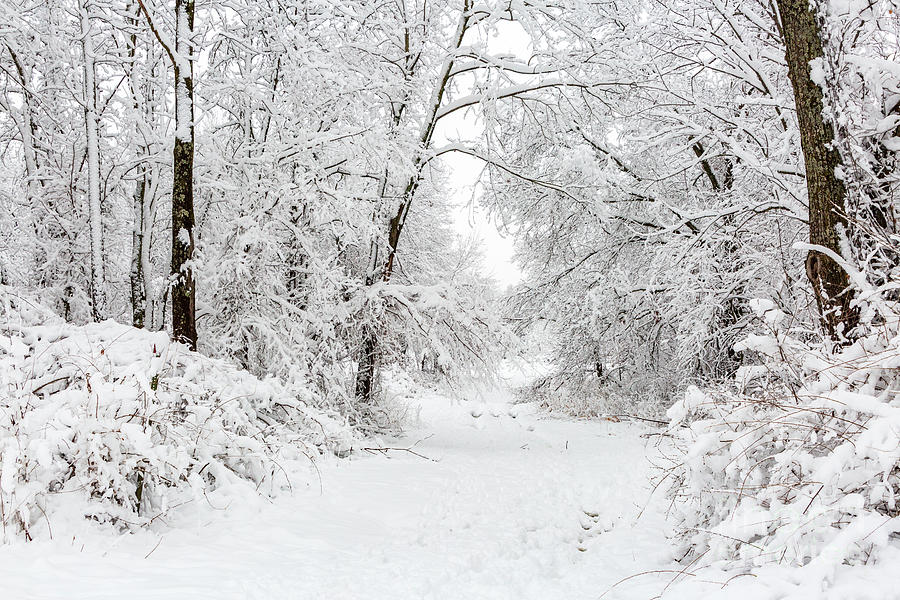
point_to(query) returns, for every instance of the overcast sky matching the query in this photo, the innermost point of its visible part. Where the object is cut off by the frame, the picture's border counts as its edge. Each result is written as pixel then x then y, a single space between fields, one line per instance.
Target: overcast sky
pixel 463 172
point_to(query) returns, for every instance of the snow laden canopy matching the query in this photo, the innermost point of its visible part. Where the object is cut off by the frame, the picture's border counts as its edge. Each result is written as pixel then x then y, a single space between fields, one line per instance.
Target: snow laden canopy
pixel 701 194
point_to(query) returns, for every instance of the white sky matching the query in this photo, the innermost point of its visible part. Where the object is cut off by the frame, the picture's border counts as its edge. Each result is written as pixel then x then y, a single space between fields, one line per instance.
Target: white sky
pixel 463 172
pixel 470 218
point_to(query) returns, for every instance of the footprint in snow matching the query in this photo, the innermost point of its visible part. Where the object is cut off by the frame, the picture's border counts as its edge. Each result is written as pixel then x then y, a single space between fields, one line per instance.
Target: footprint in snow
pixel 593 525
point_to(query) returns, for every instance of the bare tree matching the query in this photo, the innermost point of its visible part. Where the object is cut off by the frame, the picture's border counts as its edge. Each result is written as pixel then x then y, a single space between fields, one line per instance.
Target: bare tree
pixel 464 75
pixel 365 374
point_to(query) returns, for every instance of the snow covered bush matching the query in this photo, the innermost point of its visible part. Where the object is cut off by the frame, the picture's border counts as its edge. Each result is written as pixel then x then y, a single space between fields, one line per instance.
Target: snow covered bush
pixel 797 460
pixel 794 460
pixel 118 425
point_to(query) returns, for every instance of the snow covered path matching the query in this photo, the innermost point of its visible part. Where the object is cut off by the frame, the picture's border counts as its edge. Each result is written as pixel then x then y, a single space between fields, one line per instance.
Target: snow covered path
pixel 503 507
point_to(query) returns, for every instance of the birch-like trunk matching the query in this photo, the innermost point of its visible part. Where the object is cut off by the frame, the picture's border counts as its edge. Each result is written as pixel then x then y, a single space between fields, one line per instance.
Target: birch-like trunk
pixel 138 295
pixel 137 274
pixel 91 120
pixel 27 129
pixel 153 317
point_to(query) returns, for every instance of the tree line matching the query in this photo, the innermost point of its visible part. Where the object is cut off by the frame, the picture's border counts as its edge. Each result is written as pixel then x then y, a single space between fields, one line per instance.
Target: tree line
pixel 264 179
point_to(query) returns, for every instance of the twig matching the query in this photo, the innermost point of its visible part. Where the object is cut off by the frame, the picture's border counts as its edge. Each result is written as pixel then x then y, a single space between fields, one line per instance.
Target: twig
pixel 730 579
pixel 813 499
pixel 658 571
pixel 385 450
pixel 52 381
pixel 656 421
pixel 154 548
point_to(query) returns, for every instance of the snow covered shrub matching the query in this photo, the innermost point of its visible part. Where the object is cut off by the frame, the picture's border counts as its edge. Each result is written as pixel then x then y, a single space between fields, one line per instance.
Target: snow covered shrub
pixel 797 460
pixel 117 424
pixel 861 81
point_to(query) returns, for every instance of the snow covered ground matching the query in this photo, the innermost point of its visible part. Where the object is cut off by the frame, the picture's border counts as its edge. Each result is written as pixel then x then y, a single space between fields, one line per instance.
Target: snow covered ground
pixel 505 504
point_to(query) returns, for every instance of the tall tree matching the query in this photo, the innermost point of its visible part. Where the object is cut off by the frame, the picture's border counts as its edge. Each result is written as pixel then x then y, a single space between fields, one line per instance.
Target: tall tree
pixel 826 192
pixel 365 373
pixel 137 276
pixel 444 72
pixel 91 120
pixel 183 290
pixel 184 325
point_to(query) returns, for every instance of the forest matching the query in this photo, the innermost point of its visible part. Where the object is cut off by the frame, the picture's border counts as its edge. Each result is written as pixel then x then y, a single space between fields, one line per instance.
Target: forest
pixel 250 349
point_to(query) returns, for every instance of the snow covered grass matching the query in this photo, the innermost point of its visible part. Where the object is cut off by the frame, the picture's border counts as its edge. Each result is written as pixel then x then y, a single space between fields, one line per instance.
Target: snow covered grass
pixel 785 490
pixel 796 464
pixel 115 425
pixel 495 501
pixel 494 506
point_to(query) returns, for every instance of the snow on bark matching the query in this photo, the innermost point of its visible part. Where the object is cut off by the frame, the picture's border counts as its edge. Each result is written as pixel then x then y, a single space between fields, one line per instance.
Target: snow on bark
pixel 184 326
pixel 91 117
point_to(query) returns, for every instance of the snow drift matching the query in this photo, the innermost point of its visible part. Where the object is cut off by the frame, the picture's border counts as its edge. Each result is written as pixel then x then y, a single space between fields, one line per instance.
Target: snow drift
pixel 797 462
pixel 118 425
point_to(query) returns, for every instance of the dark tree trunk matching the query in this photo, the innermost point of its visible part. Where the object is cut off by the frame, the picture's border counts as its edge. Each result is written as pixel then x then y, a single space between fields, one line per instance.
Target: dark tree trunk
pixel 732 311
pixel 366 367
pixel 137 276
pixel 138 294
pixel 365 371
pixel 826 192
pixel 184 327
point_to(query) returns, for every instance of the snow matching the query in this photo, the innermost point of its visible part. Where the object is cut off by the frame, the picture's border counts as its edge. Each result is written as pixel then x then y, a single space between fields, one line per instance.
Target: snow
pixel 184 100
pixel 119 424
pixel 487 507
pixel 817 71
pixel 481 497
pixel 136 467
pixel 499 509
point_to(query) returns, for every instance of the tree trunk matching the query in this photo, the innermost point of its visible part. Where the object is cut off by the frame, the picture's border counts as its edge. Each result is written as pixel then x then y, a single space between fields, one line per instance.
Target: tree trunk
pixel 184 326
pixel 91 118
pixel 826 192
pixel 137 275
pixel 28 131
pixel 138 296
pixel 365 367
pixel 365 371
